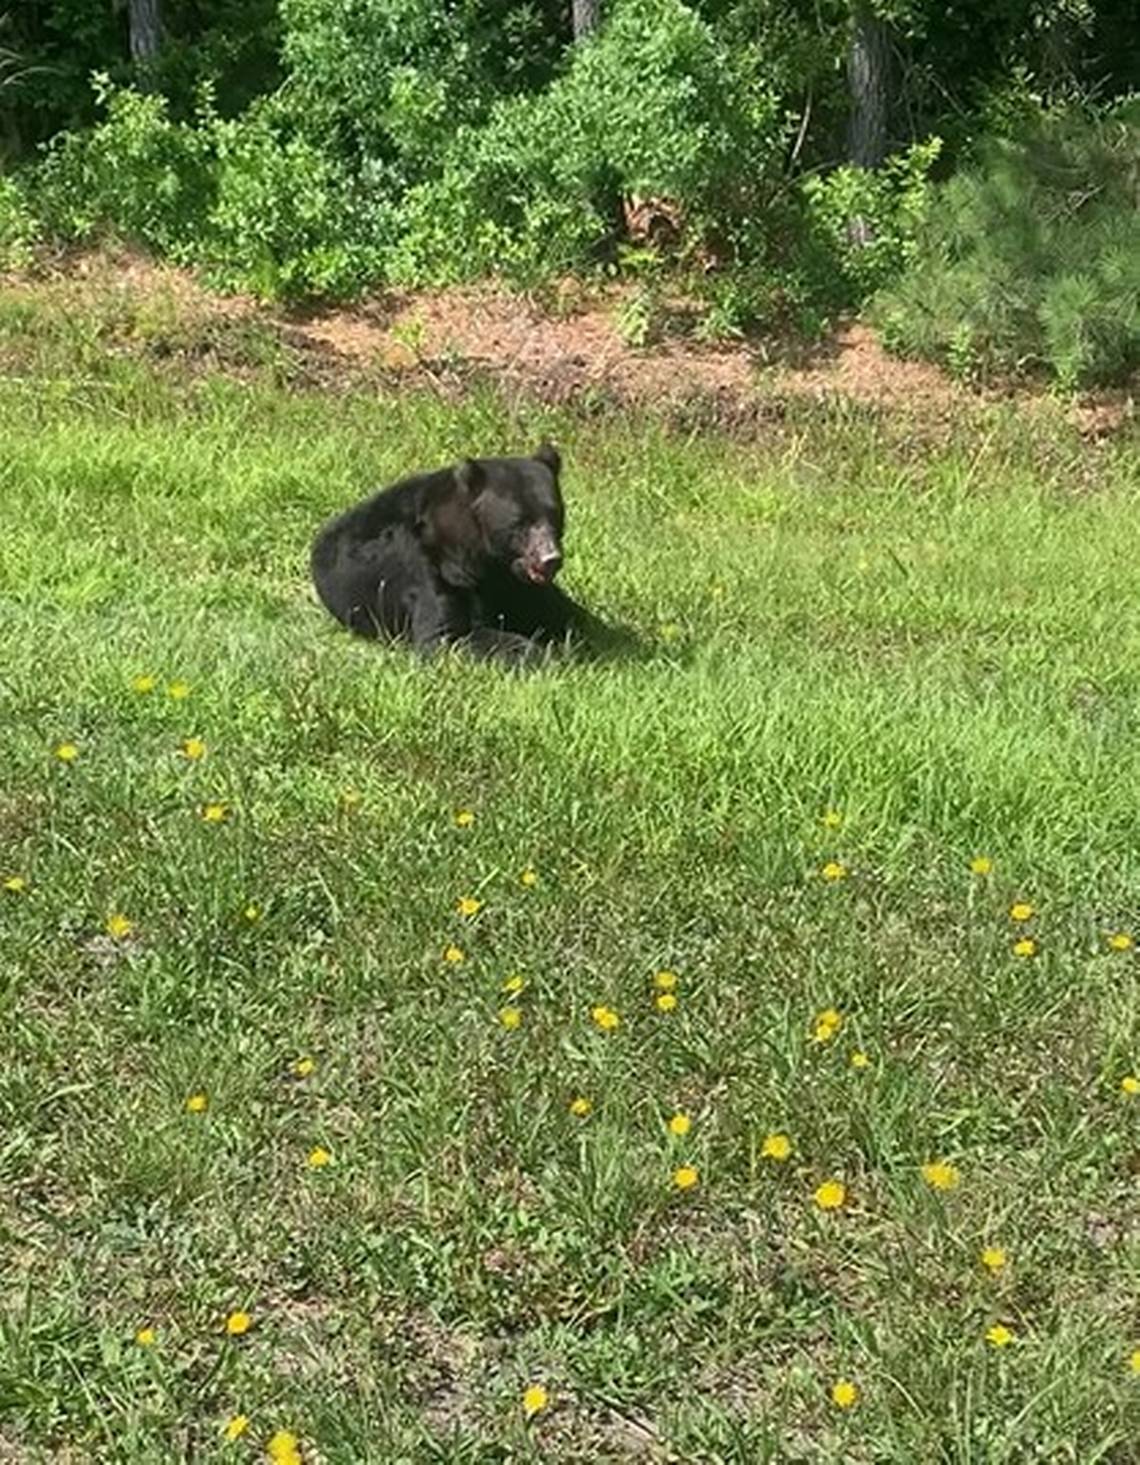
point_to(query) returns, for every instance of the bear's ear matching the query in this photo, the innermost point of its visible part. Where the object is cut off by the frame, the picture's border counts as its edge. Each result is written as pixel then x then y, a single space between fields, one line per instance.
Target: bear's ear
pixel 547 453
pixel 469 476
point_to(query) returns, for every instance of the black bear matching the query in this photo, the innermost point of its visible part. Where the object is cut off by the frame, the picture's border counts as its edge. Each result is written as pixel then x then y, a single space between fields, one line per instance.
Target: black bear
pixel 464 555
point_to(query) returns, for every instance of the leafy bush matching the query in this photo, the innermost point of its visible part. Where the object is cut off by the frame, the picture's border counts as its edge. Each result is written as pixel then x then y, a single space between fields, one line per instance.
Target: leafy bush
pixel 258 205
pixel 387 82
pixel 867 222
pixel 821 245
pixel 19 227
pixel 286 220
pixel 139 173
pixel 1031 258
pixel 653 105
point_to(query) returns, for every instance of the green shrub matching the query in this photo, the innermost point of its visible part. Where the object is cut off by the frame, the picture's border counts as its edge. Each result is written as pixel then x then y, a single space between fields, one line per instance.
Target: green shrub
pixel 388 82
pixel 819 247
pixel 257 204
pixel 653 105
pixel 867 222
pixel 1030 259
pixel 286 220
pixel 19 227
pixel 137 173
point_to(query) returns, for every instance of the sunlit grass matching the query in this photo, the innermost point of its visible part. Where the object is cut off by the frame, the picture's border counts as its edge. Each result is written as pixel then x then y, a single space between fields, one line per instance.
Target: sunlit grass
pixel 373 1058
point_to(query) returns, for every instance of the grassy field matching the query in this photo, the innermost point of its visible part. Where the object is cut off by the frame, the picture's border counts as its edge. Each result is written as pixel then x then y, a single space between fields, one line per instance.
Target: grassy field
pixel 259 1066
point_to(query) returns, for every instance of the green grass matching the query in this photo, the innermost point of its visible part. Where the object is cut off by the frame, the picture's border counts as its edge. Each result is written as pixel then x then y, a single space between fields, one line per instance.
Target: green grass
pixel 940 643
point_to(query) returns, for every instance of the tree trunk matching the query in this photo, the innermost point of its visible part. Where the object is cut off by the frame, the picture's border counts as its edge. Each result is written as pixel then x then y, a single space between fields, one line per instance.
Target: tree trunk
pixel 585 17
pixel 145 30
pixel 868 76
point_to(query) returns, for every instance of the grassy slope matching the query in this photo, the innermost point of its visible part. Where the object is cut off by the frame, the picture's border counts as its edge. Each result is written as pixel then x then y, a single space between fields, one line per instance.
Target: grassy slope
pixel 943 646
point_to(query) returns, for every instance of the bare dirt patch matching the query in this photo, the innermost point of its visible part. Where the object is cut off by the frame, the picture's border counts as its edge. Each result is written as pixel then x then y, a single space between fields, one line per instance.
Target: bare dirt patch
pixel 576 354
pixel 565 349
pixel 565 356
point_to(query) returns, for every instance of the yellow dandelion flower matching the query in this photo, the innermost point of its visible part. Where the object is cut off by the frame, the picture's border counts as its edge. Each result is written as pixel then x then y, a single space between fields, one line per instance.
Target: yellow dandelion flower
pixel 1134 1361
pixel 827 1024
pixel 454 955
pixel 605 1018
pixel 1021 910
pixel 830 1196
pixel 194 749
pixel 859 1059
pixel 686 1176
pixel 15 885
pixel 535 1400
pixel 1121 941
pixel 304 1066
pixel 467 905
pixel 146 1337
pixel 999 1335
pixel 993 1259
pixel 236 1427
pixel 1130 1084
pixel 511 1017
pixel 253 913
pixel 1025 947
pixel 197 1103
pixel 776 1147
pixel 844 1393
pixel 834 870
pixel 528 877
pixel 464 818
pixel 833 819
pixel 143 684
pixel 679 1125
pixel 284 1449
pixel 581 1107
pixel 319 1157
pixel 514 984
pixel 940 1175
pixel 981 865
pixel 179 691
pixel 666 1001
pixel 117 926
pixel 215 813
pixel 238 1324
pixel 665 981
pixel 66 752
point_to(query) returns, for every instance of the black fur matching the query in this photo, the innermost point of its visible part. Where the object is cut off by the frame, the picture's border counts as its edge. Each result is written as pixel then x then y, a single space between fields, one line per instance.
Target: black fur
pixel 463 555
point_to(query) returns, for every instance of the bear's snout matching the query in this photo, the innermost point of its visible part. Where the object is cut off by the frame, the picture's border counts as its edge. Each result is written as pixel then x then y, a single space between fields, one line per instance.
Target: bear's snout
pixel 541 558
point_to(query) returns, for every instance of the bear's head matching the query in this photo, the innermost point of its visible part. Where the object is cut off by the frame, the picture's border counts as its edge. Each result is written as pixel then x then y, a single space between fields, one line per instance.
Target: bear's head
pixel 517 505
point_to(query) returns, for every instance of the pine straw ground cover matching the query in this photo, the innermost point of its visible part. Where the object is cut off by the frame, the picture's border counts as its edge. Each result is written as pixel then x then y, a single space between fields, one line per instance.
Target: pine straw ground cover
pixel 730 1054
